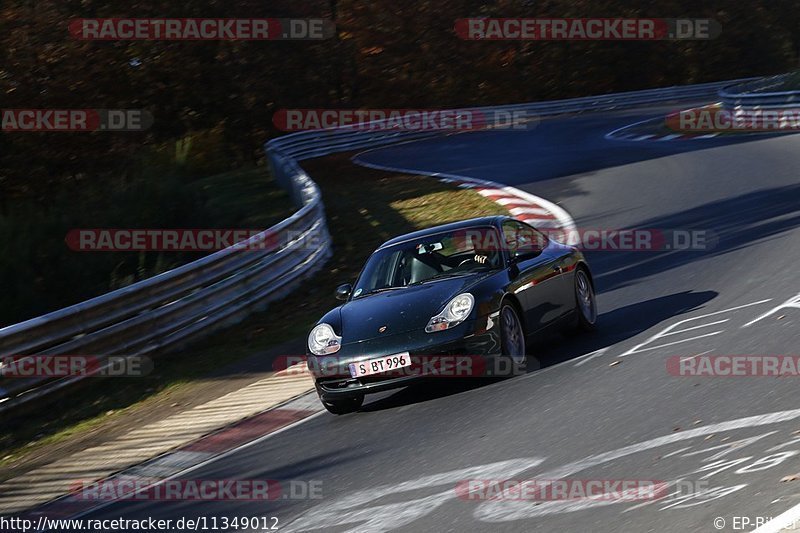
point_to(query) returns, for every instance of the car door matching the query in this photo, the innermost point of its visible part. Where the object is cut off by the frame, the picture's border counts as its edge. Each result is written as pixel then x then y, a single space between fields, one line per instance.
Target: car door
pixel 538 276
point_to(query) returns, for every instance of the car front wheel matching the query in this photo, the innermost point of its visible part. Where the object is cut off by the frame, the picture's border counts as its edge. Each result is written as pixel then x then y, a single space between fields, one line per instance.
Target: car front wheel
pixel 585 301
pixel 512 334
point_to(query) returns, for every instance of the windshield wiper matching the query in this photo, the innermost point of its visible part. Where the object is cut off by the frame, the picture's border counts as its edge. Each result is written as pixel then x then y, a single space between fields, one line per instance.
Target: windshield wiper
pixel 376 291
pixel 442 276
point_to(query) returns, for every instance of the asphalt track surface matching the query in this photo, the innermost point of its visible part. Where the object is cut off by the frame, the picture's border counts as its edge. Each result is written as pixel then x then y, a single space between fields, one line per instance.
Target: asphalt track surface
pixel 395 464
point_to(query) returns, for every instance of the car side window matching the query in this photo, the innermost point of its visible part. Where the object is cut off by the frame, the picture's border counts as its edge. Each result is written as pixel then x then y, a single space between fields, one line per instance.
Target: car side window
pixel 521 239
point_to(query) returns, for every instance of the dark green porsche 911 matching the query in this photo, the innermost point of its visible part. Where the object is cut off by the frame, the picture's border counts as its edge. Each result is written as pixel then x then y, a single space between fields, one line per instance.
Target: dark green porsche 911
pixel 452 300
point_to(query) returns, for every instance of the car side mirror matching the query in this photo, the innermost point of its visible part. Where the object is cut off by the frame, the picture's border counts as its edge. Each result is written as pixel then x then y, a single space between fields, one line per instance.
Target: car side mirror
pixel 343 291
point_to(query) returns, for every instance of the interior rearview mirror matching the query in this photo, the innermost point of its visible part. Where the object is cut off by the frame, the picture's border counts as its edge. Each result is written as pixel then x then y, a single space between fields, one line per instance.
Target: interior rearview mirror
pixel 524 255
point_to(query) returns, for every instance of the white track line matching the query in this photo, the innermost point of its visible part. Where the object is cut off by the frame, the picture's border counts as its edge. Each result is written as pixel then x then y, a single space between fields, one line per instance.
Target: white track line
pixel 582 360
pixel 793 302
pixel 668 329
pixel 612 135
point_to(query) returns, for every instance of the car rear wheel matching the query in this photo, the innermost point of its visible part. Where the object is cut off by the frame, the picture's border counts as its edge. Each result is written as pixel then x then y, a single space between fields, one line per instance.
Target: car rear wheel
pixel 585 302
pixel 512 334
pixel 343 406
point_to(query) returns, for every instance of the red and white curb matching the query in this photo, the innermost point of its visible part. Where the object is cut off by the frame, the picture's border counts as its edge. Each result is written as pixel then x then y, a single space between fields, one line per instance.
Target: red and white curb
pixel 621 134
pixel 187 458
pixel 661 137
pixel 529 208
pixel 736 122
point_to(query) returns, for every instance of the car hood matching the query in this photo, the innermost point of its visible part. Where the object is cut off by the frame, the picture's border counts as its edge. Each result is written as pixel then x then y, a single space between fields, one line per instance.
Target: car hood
pixel 407 309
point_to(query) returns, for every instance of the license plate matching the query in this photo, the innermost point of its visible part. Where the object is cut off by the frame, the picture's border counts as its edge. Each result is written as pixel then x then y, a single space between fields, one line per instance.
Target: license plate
pixel 380 364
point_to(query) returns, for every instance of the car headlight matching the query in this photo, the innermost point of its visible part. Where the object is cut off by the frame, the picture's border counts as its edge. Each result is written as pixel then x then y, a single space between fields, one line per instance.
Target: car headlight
pixel 455 312
pixel 323 340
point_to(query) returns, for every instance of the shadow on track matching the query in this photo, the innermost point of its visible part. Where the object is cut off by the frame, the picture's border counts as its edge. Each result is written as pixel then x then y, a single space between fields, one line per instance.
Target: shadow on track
pixel 621 324
pixel 553 348
pixel 738 222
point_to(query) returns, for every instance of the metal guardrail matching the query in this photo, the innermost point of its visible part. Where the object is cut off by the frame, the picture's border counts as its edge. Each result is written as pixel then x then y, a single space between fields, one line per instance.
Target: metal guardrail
pixel 166 310
pixel 755 95
pixel 318 143
pixel 162 312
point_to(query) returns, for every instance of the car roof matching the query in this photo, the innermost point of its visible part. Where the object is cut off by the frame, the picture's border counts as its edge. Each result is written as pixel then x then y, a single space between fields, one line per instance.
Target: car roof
pixel 494 221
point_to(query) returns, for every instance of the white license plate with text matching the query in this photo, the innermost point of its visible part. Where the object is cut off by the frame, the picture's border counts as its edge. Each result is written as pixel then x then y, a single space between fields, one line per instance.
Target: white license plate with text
pixel 380 364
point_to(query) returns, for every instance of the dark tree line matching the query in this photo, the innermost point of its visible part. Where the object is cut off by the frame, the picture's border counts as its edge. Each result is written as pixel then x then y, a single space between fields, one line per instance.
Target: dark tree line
pixel 385 54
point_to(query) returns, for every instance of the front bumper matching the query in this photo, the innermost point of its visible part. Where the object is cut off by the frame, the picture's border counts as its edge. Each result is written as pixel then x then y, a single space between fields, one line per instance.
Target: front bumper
pixel 470 349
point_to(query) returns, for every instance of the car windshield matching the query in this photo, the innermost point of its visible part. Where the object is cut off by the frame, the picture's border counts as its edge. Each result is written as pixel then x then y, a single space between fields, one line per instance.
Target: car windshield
pixel 433 257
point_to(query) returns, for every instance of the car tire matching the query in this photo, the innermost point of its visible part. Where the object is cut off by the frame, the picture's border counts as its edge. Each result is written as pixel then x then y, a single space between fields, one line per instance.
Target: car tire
pixel 512 335
pixel 344 405
pixel 585 302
